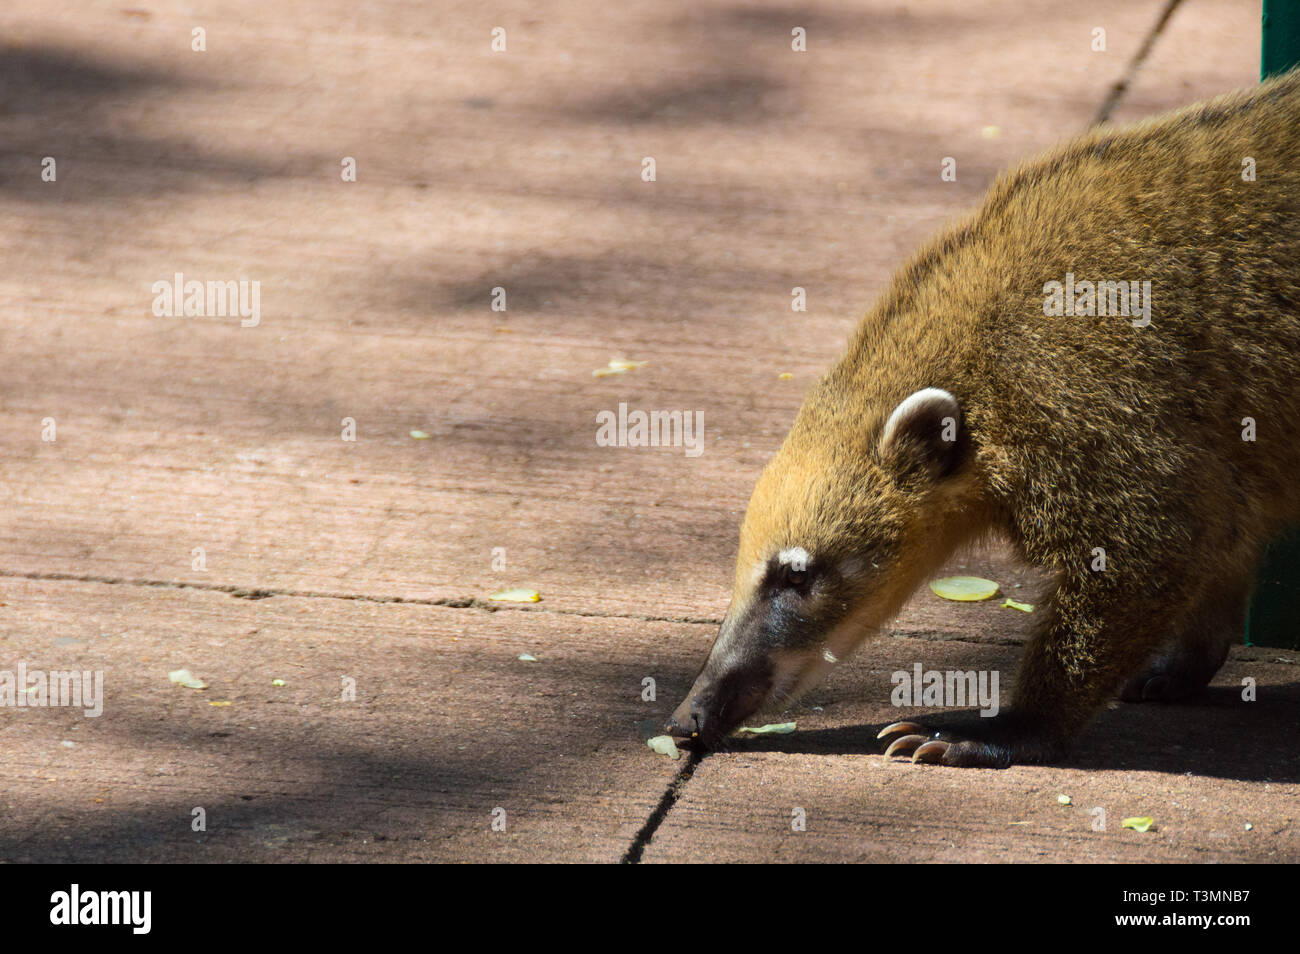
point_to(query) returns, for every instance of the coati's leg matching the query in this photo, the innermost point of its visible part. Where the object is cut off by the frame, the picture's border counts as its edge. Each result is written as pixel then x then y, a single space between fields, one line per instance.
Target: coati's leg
pixel 1098 632
pixel 1187 663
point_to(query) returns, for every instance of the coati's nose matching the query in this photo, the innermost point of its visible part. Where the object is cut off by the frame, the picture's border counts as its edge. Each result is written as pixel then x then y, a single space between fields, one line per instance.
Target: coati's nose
pixel 687 721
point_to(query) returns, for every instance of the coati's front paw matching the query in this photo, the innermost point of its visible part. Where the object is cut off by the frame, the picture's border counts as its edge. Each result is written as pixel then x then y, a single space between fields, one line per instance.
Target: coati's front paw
pixel 996 746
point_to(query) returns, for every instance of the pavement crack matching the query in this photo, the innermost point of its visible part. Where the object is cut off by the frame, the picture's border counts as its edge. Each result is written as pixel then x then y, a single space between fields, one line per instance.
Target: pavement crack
pixel 1124 82
pixel 674 791
pixel 259 593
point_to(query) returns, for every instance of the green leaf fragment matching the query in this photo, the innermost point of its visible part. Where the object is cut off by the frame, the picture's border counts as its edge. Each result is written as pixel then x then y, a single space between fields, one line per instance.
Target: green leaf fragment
pixel 964 589
pixel 1137 824
pixel 772 728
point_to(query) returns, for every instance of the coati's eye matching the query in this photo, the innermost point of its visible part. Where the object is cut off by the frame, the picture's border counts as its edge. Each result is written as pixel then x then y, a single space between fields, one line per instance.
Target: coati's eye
pixel 789 569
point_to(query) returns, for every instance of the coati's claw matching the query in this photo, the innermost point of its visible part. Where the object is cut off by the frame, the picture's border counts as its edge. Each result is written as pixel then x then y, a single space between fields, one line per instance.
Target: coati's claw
pixel 968 745
pixel 904 746
pixel 910 728
pixel 932 751
pixel 916 740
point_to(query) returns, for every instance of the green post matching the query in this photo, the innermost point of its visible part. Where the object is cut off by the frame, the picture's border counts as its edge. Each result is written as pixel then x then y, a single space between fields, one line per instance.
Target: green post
pixel 1274 618
pixel 1280 49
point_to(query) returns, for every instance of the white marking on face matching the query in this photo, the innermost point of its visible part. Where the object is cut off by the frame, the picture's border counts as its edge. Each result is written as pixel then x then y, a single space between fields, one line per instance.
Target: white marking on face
pixel 796 558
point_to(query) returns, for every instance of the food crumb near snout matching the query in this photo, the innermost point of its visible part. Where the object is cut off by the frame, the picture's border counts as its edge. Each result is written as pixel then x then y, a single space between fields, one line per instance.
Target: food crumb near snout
pixel 1023 607
pixel 772 728
pixel 664 745
pixel 964 589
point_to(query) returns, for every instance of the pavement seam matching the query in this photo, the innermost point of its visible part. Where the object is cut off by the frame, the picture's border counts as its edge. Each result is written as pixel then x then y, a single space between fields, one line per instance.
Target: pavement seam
pixel 674 791
pixel 1130 73
pixel 453 602
pixel 257 593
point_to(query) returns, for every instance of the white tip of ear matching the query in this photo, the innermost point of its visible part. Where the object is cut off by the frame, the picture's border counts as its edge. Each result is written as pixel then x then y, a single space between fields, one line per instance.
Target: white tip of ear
pixel 934 402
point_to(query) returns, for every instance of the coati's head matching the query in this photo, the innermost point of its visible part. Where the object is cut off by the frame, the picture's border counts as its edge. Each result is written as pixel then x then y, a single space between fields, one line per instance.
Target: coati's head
pixel 853 512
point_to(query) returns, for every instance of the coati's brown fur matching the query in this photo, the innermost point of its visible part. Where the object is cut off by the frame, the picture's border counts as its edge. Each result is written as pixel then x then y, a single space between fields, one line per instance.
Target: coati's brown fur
pixel 1074 435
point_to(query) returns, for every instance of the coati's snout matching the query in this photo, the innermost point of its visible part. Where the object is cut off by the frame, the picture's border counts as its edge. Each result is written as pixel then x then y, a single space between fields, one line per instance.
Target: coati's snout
pixel 728 690
pixel 769 649
pixel 834 539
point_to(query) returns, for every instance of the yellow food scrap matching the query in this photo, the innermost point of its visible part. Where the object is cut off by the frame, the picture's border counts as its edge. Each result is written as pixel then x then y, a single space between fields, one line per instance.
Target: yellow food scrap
pixel 1064 800
pixel 964 589
pixel 785 375
pixel 420 435
pixel 664 745
pixel 1023 607
pixel 222 703
pixel 183 677
pixel 278 682
pixel 617 366
pixel 1137 824
pixel 516 595
pixel 772 728
pixel 991 132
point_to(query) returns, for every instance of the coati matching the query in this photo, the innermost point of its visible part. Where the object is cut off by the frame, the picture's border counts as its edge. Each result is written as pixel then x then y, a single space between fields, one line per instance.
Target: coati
pixel 1143 461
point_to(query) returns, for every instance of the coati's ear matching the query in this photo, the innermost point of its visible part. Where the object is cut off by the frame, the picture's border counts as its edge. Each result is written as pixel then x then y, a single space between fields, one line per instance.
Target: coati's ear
pixel 924 434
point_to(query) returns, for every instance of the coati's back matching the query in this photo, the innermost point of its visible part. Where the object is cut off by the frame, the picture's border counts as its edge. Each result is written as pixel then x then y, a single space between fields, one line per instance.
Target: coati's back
pixel 1087 427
